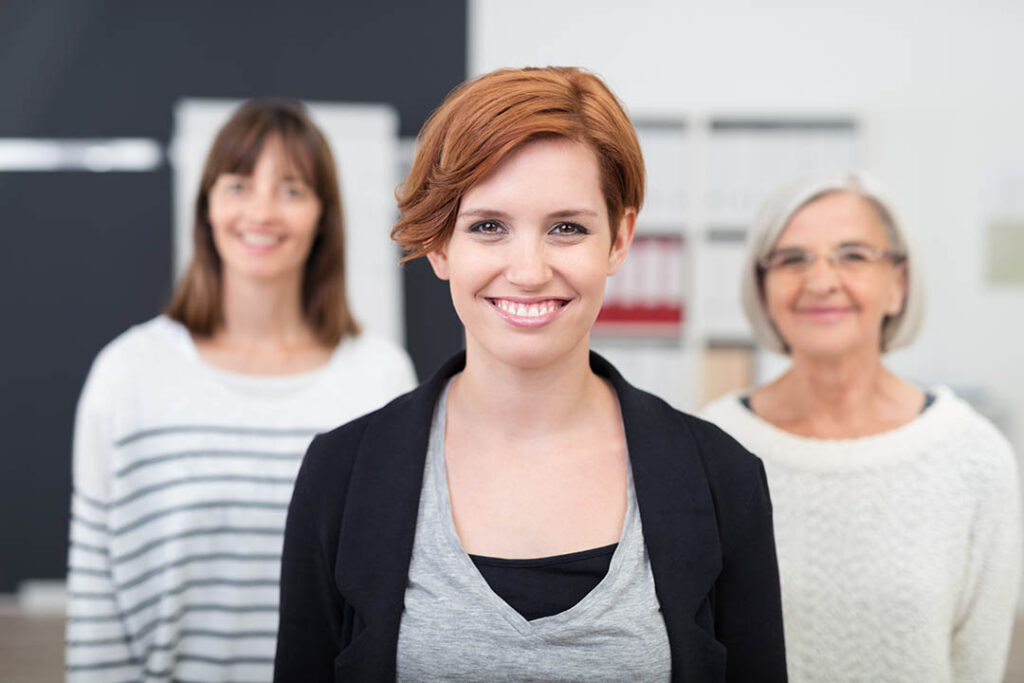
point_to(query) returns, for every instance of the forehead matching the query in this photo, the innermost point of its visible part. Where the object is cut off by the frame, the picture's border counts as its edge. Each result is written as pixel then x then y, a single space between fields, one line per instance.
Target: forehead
pixel 544 173
pixel 276 154
pixel 834 219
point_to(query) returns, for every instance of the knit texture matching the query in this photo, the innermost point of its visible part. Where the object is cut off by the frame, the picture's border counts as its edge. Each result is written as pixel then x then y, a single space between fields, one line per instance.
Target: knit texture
pixel 899 553
pixel 182 477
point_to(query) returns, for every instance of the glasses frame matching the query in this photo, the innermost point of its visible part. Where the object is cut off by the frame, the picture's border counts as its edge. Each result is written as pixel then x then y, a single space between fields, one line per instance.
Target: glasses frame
pixel 810 258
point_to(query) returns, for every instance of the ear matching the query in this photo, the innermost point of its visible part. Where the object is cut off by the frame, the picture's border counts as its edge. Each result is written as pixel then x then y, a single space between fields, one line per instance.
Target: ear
pixel 623 240
pixel 897 292
pixel 439 262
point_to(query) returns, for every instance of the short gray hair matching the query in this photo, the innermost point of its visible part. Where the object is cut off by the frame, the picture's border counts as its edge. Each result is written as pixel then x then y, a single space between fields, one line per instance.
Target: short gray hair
pixel 898 330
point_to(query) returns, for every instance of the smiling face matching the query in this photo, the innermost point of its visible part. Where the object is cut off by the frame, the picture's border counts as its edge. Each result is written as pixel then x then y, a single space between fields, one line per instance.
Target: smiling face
pixel 828 311
pixel 529 255
pixel 264 223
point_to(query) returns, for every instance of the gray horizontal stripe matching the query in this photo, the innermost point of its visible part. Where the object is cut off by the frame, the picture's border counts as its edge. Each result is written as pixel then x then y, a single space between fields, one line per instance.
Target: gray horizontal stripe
pixel 255 557
pixel 91 501
pixel 146 519
pixel 181 455
pixel 216 429
pixel 101 642
pixel 84 571
pixel 91 595
pixel 225 660
pixel 94 620
pixel 199 583
pixel 203 608
pixel 96 666
pixel 95 526
pixel 202 479
pixel 228 635
pixel 84 547
pixel 143 549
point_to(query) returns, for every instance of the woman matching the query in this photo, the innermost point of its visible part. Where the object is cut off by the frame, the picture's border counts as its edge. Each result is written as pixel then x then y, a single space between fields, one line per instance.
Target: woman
pixel 896 510
pixel 526 514
pixel 191 426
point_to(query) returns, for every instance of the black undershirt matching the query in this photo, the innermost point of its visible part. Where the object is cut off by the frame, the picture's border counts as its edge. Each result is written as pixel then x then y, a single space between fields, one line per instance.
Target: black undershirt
pixel 545 586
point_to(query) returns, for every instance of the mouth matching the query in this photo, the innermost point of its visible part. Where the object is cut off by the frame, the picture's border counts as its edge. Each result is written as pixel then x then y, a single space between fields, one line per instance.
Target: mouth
pixel 824 313
pixel 528 313
pixel 259 240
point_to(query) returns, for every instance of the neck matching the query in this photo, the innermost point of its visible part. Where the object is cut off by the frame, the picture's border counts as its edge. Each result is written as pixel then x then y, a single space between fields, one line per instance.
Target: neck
pixel 264 312
pixel 517 402
pixel 849 390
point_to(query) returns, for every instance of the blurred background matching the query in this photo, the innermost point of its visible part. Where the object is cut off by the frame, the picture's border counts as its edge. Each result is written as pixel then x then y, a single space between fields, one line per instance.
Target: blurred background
pixel 108 105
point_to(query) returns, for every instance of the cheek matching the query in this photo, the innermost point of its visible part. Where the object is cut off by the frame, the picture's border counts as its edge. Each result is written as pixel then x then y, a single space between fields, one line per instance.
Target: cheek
pixel 219 215
pixel 304 220
pixel 776 297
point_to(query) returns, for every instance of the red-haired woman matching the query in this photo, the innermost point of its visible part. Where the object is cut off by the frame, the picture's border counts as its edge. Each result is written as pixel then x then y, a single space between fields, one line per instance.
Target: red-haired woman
pixel 191 427
pixel 526 514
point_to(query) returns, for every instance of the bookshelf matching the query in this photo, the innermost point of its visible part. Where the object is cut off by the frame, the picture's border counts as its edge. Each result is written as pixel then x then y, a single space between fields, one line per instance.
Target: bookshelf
pixel 707 175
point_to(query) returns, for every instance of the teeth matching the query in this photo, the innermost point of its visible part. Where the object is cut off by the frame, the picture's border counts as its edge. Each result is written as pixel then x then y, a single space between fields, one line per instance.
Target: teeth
pixel 526 310
pixel 259 240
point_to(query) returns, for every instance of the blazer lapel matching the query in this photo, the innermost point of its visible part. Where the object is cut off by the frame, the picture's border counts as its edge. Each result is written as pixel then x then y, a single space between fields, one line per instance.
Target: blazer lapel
pixel 379 524
pixel 677 513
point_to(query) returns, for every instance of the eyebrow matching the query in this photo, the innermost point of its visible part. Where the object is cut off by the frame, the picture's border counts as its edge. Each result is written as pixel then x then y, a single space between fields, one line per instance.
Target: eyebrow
pixel 494 213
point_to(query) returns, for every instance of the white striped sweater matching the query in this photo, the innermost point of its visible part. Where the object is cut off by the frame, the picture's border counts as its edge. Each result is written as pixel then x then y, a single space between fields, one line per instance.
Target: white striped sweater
pixel 182 477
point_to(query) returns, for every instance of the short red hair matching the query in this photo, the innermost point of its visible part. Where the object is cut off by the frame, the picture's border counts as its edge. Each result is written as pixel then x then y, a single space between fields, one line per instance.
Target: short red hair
pixel 485 119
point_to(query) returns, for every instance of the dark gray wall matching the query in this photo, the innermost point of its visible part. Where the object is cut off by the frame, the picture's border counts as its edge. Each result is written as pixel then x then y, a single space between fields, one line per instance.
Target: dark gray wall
pixel 85 255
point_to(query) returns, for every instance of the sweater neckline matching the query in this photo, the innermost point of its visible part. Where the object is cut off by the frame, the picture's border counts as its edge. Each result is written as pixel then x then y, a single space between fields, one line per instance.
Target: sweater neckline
pixel 885 448
pixel 251 384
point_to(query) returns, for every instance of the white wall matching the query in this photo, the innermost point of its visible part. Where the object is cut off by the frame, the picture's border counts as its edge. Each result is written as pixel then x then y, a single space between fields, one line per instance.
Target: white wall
pixel 936 86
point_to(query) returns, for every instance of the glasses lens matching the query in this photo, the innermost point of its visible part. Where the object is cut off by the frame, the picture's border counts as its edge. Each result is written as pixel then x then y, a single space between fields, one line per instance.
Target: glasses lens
pixel 789 260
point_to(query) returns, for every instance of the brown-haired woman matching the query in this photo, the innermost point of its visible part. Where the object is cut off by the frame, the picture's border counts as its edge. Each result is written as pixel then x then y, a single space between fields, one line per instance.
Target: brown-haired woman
pixel 527 514
pixel 191 426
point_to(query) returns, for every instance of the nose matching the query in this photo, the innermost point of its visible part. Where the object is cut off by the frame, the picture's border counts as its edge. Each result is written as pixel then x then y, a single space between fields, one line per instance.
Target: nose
pixel 528 265
pixel 262 206
pixel 821 276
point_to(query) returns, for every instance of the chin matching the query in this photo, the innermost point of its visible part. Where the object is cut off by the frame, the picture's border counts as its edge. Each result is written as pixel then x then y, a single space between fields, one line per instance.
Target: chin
pixel 531 352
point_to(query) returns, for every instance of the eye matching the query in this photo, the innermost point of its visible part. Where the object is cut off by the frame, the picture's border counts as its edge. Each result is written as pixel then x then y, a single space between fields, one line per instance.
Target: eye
pixel 295 191
pixel 233 186
pixel 853 255
pixel 487 228
pixel 569 230
pixel 789 258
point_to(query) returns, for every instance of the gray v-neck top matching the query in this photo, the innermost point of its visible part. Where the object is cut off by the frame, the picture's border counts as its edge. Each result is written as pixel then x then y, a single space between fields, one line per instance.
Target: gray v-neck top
pixel 455 628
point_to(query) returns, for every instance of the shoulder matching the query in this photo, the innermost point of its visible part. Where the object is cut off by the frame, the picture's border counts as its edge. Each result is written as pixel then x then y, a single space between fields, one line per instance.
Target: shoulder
pixel 134 354
pixel 729 465
pixel 734 474
pixel 726 410
pixel 332 455
pixel 983 454
pixel 374 355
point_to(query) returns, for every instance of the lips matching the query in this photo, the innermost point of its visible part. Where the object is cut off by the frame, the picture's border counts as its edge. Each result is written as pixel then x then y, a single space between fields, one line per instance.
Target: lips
pixel 259 240
pixel 528 312
pixel 824 314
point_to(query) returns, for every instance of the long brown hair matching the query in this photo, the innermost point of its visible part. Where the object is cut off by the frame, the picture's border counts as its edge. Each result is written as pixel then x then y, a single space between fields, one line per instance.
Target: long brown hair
pixel 197 302
pixel 485 119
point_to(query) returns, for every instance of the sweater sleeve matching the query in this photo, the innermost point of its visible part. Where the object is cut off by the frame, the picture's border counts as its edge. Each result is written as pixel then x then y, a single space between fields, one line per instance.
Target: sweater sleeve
pixel 311 611
pixel 748 603
pixel 988 598
pixel 98 648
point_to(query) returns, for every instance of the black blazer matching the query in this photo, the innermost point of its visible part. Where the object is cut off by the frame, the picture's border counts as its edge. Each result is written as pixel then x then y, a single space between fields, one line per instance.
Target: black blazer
pixel 704 509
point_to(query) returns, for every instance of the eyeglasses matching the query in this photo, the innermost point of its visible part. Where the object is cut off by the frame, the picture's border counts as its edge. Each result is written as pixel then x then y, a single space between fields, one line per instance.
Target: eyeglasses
pixel 848 258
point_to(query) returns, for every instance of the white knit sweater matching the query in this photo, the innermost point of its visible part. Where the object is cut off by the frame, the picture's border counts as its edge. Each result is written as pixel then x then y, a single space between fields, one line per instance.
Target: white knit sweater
pixel 182 477
pixel 899 553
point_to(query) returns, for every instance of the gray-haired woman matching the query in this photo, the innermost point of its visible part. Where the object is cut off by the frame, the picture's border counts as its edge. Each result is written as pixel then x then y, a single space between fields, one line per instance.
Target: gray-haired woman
pixel 897 510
